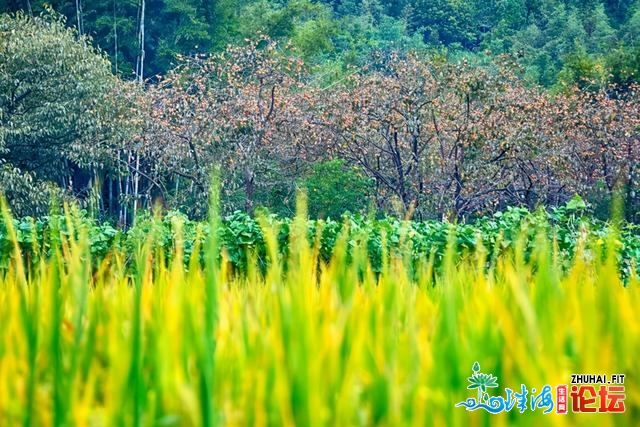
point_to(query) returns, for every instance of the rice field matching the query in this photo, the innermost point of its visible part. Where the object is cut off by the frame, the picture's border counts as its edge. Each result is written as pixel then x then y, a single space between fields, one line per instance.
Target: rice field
pixel 308 343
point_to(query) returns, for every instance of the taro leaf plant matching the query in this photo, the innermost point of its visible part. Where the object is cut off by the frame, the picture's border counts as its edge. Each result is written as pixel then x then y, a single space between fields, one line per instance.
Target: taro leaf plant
pixel 481 382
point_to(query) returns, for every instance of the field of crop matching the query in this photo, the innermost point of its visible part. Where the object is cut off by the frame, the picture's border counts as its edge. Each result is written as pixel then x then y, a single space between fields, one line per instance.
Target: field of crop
pixel 360 325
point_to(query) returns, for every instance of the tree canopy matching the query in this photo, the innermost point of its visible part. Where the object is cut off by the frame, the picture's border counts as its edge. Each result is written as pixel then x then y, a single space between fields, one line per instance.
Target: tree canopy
pixel 57 95
pixel 551 36
pixel 440 109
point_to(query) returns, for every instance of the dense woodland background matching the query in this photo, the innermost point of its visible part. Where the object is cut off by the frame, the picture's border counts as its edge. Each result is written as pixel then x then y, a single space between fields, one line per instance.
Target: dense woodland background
pixel 441 108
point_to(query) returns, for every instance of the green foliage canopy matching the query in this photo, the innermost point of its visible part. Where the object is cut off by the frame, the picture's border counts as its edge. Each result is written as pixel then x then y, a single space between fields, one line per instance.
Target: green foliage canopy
pixel 334 188
pixel 56 93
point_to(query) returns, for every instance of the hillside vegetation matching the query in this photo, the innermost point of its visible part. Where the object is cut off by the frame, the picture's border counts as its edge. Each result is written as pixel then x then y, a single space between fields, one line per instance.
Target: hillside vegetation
pixel 404 130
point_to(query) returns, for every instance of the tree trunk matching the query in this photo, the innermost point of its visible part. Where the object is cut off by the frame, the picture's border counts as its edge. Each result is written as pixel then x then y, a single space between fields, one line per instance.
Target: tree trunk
pixel 141 54
pixel 115 38
pixel 249 189
pixel 79 17
pixel 136 188
pixel 458 202
pixel 110 203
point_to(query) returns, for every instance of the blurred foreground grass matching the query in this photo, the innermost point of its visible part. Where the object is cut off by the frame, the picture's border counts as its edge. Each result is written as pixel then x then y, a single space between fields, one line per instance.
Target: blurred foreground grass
pixel 332 344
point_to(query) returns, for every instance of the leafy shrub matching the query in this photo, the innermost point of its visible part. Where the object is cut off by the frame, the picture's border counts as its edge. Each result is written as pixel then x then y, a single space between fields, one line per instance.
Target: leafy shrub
pixel 241 236
pixel 334 188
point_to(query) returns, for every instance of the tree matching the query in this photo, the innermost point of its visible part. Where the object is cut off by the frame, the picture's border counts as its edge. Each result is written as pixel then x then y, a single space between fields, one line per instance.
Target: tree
pixel 56 94
pixel 236 109
pixel 445 22
pixel 172 27
pixel 445 139
pixel 334 188
pixel 601 134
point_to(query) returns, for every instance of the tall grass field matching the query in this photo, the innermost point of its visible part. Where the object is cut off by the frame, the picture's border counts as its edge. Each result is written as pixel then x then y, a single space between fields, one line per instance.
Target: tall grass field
pixel 139 338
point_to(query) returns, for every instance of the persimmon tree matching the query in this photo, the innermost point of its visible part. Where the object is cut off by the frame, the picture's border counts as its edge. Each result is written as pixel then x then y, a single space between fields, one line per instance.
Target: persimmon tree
pixel 601 134
pixel 438 138
pixel 443 138
pixel 233 110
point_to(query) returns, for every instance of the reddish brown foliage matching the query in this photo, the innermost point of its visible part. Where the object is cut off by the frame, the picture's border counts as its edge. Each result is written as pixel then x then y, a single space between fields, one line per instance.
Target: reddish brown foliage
pixel 443 139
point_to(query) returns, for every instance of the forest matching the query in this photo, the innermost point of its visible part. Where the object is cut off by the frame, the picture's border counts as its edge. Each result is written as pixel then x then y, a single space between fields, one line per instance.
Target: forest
pixel 319 213
pixel 444 109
